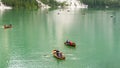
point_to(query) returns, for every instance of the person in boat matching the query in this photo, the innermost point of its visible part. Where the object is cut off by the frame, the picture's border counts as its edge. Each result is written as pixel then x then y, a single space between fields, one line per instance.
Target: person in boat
pixel 8 26
pixel 69 42
pixel 59 54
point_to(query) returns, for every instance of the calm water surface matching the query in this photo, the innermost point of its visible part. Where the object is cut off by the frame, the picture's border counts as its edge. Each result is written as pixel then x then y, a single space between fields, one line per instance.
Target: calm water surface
pixel 36 33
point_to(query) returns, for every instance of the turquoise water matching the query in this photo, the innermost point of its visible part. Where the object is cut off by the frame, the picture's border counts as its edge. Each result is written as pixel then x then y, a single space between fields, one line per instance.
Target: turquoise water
pixel 35 34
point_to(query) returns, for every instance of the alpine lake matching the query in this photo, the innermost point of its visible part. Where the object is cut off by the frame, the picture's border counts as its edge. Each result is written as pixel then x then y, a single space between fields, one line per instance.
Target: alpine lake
pixel 35 33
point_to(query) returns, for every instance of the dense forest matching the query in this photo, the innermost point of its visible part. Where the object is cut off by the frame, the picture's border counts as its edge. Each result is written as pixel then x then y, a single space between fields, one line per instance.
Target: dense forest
pixel 102 3
pixel 51 3
pixel 30 4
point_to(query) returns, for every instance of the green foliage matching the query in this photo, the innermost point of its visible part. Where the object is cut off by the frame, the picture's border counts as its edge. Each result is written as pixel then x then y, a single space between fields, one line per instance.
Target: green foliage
pixel 63 4
pixel 52 3
pixel 102 3
pixel 30 4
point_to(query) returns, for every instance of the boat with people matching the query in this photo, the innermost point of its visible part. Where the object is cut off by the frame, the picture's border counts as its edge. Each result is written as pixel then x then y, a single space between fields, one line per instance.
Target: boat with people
pixel 7 26
pixel 58 54
pixel 70 43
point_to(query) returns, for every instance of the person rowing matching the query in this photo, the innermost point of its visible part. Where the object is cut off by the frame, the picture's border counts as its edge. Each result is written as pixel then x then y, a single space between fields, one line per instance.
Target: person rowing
pixel 70 43
pixel 58 54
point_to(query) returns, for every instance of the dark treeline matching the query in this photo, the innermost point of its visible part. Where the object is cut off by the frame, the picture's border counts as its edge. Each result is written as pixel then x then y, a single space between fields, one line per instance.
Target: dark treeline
pixel 53 3
pixel 30 4
pixel 102 3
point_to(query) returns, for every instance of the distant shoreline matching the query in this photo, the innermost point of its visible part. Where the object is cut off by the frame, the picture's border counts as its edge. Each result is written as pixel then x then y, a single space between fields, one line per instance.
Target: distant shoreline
pixel 33 4
pixel 2 6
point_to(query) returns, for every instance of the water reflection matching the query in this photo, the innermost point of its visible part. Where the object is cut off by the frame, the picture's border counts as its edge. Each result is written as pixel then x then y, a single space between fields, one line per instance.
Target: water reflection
pixel 57 24
pixel 4 47
pixel 36 33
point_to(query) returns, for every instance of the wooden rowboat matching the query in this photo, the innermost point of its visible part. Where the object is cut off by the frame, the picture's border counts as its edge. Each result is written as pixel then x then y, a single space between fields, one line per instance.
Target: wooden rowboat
pixel 58 54
pixel 7 26
pixel 70 44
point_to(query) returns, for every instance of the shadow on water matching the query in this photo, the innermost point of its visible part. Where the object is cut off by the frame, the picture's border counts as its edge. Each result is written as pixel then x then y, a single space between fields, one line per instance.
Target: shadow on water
pixel 70 47
pixel 58 61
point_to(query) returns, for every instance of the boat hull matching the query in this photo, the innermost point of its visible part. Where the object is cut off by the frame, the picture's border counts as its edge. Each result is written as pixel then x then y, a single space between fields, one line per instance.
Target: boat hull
pixel 68 44
pixel 55 55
